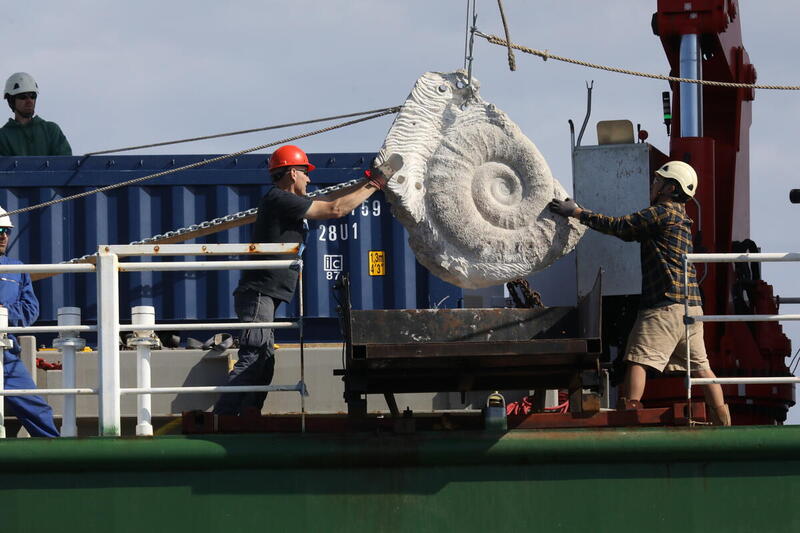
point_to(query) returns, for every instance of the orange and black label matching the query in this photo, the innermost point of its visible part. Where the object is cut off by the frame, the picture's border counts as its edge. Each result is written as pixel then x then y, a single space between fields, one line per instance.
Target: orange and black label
pixel 377 263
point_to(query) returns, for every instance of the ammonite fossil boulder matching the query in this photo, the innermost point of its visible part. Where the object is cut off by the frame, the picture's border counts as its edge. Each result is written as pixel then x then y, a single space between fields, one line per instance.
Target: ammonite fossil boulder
pixel 473 189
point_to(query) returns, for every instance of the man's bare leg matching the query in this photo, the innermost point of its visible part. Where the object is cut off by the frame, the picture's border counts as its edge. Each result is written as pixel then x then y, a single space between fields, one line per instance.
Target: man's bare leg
pixel 713 392
pixel 635 378
pixel 720 415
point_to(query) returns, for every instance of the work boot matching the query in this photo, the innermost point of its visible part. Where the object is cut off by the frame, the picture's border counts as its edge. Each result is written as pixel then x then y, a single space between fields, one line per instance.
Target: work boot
pixel 719 415
pixel 624 404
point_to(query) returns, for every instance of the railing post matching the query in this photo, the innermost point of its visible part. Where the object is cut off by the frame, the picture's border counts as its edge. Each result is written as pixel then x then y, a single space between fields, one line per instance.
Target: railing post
pixel 144 339
pixel 108 342
pixel 686 339
pixel 5 343
pixel 69 342
pixel 302 355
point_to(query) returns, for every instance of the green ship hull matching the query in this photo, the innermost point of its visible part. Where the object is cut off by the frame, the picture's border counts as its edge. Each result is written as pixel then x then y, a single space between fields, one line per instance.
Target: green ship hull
pixel 645 480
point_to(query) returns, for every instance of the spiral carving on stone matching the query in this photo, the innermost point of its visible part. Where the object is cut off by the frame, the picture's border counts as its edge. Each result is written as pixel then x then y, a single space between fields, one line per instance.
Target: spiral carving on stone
pixel 473 190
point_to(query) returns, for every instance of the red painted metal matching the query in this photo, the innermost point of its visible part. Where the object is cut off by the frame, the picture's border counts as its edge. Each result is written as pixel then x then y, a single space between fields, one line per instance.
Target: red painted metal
pixel 201 422
pixel 673 415
pixel 721 158
pixel 705 16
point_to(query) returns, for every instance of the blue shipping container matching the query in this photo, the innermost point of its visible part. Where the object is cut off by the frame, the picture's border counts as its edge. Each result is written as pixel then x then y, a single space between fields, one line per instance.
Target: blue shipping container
pixel 76 228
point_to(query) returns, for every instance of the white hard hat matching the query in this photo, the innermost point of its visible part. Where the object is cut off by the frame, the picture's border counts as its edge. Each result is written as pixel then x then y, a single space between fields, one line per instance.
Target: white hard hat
pixel 681 172
pixel 21 82
pixel 5 220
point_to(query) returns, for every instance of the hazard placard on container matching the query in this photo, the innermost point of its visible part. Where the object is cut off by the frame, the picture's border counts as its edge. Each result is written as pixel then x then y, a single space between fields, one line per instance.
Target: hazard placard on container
pixel 377 263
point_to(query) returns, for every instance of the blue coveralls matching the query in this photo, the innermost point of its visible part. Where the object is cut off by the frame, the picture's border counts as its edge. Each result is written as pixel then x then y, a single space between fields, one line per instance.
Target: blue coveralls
pixel 16 295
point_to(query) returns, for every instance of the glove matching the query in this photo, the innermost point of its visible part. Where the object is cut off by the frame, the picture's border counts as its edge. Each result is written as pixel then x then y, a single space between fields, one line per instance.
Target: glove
pixel 379 176
pixel 376 178
pixel 565 208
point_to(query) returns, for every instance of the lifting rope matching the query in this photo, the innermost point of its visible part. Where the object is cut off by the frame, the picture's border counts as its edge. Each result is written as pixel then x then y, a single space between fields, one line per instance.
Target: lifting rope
pixel 545 55
pixel 512 63
pixel 240 132
pixel 201 163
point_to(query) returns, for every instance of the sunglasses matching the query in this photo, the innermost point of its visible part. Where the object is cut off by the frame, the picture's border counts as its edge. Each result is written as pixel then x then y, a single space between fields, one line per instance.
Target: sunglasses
pixel 5 231
pixel 26 96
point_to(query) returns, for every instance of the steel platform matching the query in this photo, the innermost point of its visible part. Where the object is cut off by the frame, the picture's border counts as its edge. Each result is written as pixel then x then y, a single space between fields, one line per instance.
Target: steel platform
pixel 460 350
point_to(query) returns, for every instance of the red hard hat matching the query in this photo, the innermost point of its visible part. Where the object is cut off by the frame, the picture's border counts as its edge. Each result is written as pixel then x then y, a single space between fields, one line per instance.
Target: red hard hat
pixel 289 156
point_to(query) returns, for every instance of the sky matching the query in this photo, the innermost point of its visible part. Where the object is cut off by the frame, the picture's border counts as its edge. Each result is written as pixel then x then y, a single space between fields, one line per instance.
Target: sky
pixel 116 74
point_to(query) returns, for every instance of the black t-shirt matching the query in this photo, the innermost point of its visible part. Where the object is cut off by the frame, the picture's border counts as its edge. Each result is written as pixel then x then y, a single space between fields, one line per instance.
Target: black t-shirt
pixel 279 219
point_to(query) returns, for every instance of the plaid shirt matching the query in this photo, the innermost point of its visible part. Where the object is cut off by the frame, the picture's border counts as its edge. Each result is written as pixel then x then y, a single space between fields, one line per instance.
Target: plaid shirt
pixel 665 233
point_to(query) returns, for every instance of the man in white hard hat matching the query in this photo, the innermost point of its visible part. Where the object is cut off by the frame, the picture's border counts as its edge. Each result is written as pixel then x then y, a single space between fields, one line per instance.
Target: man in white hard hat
pixel 658 336
pixel 16 295
pixel 27 134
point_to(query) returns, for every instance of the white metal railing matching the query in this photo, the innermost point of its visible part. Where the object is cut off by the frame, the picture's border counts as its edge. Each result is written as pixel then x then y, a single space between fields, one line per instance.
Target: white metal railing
pixel 108 328
pixel 688 320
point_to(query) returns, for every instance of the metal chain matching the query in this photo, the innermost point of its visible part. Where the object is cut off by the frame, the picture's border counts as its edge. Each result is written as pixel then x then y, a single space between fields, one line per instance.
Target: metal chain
pixel 240 132
pixel 222 220
pixel 545 55
pixel 527 297
pixel 200 163
pixel 241 214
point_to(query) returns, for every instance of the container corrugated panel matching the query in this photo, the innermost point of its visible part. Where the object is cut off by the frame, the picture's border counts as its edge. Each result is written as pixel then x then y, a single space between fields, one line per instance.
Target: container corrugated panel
pixel 75 228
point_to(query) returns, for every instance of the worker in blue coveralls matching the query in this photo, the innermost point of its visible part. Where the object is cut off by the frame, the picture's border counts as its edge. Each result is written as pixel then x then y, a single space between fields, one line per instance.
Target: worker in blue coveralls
pixel 16 295
pixel 281 218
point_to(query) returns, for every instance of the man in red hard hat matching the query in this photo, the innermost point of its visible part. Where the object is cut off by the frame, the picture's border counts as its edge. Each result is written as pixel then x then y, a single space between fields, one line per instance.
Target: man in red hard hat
pixel 282 218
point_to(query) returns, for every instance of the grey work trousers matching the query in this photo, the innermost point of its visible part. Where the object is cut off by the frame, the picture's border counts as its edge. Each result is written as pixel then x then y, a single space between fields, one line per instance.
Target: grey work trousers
pixel 256 363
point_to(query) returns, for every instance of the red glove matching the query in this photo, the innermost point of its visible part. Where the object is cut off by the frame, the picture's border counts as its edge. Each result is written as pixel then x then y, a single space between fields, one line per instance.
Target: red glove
pixel 376 178
pixel 46 365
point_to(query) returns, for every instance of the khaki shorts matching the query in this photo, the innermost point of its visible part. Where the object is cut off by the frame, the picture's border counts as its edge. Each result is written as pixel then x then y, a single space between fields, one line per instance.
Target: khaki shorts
pixel 658 339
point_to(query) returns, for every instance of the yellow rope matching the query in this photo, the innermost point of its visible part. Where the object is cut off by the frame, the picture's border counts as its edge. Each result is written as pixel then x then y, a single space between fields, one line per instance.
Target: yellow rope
pixel 167 428
pixel 545 55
